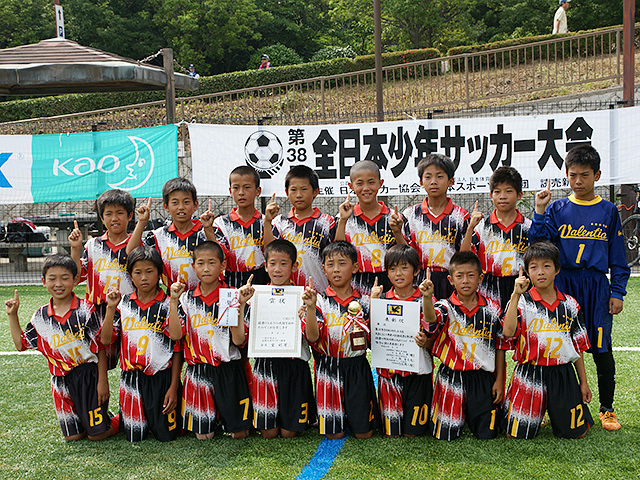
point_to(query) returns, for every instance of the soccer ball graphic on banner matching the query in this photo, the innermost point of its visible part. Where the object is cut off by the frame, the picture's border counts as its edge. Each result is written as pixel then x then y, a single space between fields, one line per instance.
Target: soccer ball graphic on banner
pixel 263 151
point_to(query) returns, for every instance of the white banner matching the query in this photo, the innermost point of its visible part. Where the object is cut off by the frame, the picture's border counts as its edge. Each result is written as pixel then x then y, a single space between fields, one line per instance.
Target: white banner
pixel 534 145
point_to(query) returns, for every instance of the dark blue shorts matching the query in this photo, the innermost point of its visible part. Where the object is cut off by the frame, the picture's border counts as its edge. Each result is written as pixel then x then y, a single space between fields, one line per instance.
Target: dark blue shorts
pixel 591 289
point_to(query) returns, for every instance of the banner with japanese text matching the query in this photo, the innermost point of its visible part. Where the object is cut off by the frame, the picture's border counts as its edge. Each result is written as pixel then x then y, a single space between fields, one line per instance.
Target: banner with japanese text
pixel 534 145
pixel 80 166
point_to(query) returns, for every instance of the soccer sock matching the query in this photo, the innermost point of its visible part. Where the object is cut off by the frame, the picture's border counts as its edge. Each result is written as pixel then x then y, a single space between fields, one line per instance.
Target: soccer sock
pixel 606 369
pixel 115 423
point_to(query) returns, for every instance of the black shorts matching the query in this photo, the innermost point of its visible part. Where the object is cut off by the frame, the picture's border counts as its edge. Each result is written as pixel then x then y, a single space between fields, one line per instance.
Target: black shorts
pixel 216 393
pixel 363 281
pixel 499 289
pixel 404 403
pixel 442 287
pixel 536 388
pixel 113 349
pixel 238 279
pixel 141 399
pixel 75 397
pixel 464 396
pixel 282 394
pixel 345 395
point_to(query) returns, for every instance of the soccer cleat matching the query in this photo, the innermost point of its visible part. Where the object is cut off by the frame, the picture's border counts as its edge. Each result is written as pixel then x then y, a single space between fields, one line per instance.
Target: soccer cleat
pixel 609 421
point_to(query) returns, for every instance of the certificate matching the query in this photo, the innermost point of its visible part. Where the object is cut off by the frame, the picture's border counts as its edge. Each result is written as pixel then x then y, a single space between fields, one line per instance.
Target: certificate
pixel 275 329
pixel 228 305
pixel 393 326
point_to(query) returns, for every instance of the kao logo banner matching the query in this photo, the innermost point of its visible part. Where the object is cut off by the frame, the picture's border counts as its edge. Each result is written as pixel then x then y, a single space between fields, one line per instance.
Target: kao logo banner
pixel 80 166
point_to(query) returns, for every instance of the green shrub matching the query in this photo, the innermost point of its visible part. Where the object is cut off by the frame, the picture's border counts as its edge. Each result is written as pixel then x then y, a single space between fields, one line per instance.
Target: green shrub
pixel 329 53
pixel 279 55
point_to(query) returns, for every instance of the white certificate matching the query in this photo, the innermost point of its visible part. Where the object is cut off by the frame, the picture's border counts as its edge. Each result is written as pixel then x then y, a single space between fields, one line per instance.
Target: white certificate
pixel 275 329
pixel 393 326
pixel 228 304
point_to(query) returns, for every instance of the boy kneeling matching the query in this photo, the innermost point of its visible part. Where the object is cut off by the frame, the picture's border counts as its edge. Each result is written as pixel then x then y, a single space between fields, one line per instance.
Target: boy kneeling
pixel 550 335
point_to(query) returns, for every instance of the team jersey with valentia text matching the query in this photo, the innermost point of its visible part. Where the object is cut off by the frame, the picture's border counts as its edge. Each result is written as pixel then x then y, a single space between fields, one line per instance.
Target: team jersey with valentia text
pixel 104 267
pixel 372 237
pixel 549 334
pixel 143 333
pixel 66 341
pixel 335 326
pixel 176 250
pixel 205 341
pixel 588 235
pixel 241 241
pixel 435 238
pixel 310 235
pixel 425 362
pixel 467 339
pixel 501 249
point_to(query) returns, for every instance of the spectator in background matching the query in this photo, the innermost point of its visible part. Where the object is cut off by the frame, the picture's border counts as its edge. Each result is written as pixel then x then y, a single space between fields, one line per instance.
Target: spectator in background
pixel 560 18
pixel 264 61
pixel 192 71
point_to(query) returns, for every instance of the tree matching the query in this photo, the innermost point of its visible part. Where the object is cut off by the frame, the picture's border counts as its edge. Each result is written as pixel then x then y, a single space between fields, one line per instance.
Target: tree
pixel 25 22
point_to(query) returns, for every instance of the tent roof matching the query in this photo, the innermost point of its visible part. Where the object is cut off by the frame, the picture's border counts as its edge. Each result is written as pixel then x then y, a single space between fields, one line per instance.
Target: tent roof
pixel 58 65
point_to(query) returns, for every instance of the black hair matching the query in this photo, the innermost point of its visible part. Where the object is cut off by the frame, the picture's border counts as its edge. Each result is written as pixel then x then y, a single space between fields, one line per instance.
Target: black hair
pixel 248 171
pixel 115 197
pixel 542 251
pixel 145 253
pixel 364 165
pixel 464 258
pixel 399 254
pixel 583 155
pixel 281 246
pixel 211 247
pixel 342 248
pixel 508 175
pixel 59 260
pixel 304 172
pixel 441 161
pixel 178 185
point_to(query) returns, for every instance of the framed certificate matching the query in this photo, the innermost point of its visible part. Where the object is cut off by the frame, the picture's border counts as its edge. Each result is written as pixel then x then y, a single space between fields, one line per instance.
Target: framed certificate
pixel 393 325
pixel 275 329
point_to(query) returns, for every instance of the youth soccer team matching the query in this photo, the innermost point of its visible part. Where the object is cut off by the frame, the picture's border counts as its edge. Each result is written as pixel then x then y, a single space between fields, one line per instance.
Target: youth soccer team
pixel 486 284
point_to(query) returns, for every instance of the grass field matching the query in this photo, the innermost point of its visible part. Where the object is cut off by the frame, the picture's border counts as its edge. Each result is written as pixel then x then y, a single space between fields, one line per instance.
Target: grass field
pixel 31 446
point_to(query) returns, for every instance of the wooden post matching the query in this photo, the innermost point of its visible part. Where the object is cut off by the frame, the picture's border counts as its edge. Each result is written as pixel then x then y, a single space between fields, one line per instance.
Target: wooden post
pixel 629 19
pixel 167 63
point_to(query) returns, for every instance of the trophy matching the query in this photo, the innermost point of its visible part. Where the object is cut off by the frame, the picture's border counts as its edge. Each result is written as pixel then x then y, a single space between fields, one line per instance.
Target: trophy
pixel 357 336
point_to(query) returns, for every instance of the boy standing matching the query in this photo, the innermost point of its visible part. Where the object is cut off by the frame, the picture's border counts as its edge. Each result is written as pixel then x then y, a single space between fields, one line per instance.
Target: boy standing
pixel 500 240
pixel 65 331
pixel 369 225
pixel 308 229
pixel 469 383
pixel 550 335
pixel 282 391
pixel 177 241
pixel 215 384
pixel 240 233
pixel 337 327
pixel 436 227
pixel 588 233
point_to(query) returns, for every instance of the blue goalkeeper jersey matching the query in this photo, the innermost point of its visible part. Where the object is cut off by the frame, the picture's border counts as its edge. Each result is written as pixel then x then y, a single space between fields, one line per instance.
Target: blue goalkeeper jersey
pixel 588 235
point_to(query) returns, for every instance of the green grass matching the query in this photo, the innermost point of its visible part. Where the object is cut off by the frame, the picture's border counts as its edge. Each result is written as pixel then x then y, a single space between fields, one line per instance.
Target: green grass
pixel 31 445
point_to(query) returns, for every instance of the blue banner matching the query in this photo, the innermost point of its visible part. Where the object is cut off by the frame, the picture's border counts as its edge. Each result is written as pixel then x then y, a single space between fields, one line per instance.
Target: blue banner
pixel 80 166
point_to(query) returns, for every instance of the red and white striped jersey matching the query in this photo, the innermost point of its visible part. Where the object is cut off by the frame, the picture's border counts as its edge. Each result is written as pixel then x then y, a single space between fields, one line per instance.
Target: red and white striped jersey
pixel 204 340
pixel 425 362
pixel 310 235
pixel 335 328
pixel 176 250
pixel 67 341
pixel 549 334
pixel 501 249
pixel 143 332
pixel 104 266
pixel 435 238
pixel 241 241
pixel 467 339
pixel 372 237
